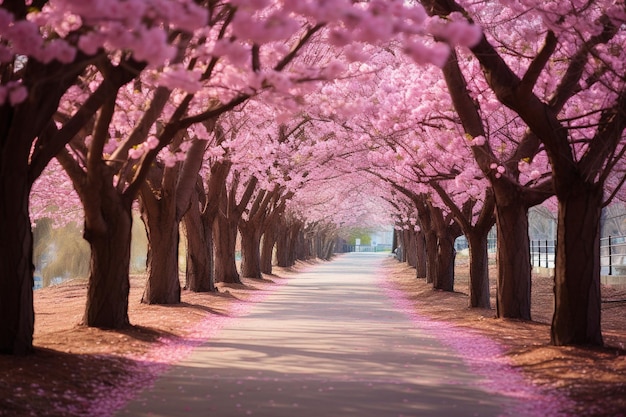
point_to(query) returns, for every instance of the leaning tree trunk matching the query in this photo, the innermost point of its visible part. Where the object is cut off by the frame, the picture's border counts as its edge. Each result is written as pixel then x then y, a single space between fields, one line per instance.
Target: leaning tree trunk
pixel 328 249
pixel 16 265
pixel 576 319
pixel 199 275
pixel 107 293
pixel 479 269
pixel 159 217
pixel 225 239
pixel 513 254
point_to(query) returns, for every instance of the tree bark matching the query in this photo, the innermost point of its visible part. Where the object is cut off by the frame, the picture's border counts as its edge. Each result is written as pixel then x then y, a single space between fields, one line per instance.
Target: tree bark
pixel 225 238
pixel 576 319
pixel 199 274
pixel 287 244
pixel 21 126
pixel 446 255
pixel 16 264
pixel 251 252
pixel 431 256
pixel 159 217
pixel 411 248
pixel 267 249
pixel 420 246
pixel 513 254
pixel 107 293
pixel 479 296
pixel 283 249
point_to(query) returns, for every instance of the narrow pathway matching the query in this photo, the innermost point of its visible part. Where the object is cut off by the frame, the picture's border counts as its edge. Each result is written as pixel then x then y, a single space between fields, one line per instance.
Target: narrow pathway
pixel 328 344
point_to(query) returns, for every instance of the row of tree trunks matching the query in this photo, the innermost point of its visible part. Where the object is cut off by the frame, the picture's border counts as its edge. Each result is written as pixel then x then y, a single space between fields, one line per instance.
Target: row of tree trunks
pixel 21 126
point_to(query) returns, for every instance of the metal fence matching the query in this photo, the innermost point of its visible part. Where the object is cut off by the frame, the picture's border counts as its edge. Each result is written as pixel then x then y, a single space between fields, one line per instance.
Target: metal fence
pixel 542 253
pixel 367 248
pixel 612 254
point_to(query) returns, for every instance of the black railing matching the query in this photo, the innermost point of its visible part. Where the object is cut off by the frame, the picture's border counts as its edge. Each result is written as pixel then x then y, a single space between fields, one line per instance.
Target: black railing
pixel 367 248
pixel 542 253
pixel 612 254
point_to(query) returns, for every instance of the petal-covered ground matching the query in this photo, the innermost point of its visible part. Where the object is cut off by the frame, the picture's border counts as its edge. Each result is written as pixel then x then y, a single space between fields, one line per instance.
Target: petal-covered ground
pixel 486 358
pixel 85 372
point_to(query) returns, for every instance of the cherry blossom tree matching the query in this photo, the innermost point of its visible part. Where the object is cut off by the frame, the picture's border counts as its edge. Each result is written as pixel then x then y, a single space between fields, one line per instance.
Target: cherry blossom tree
pixel 46 46
pixel 571 96
pixel 218 53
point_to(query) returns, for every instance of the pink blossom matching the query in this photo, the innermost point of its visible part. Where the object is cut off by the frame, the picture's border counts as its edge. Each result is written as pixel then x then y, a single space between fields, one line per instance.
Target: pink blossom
pixel 421 54
pixel 136 153
pixel 152 47
pixel 58 49
pixel 179 77
pixel 168 158
pixel 6 19
pixel 25 37
pixel 90 43
pixel 152 142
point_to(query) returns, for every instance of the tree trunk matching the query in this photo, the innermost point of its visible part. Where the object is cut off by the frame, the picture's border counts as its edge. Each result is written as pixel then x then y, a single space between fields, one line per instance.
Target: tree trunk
pixel 251 252
pixel 576 319
pixel 304 246
pixel 479 269
pixel 162 227
pixel 431 256
pixel 411 248
pixel 420 250
pixel 394 240
pixel 107 294
pixel 199 275
pixel 267 249
pixel 513 252
pixel 406 246
pixel 16 264
pixel 446 254
pixel 328 249
pixel 225 239
pixel 282 246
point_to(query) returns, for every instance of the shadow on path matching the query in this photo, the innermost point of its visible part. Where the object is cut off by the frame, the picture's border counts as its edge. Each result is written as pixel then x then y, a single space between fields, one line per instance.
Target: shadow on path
pixel 328 344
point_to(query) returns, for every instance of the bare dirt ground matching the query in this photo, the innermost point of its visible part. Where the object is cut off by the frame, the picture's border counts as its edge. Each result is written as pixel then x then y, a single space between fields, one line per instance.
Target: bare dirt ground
pixel 74 365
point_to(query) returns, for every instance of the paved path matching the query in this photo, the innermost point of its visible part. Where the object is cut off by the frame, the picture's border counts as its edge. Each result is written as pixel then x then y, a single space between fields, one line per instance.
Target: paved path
pixel 328 344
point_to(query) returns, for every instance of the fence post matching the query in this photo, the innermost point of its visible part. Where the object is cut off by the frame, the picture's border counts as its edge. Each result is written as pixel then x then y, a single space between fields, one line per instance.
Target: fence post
pixel 610 256
pixel 539 253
